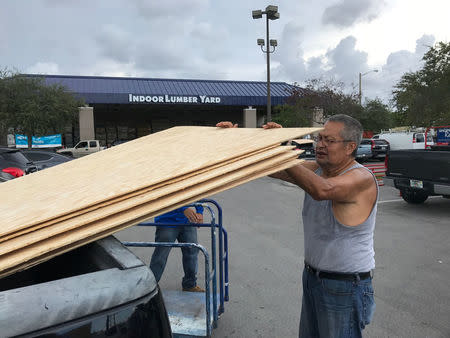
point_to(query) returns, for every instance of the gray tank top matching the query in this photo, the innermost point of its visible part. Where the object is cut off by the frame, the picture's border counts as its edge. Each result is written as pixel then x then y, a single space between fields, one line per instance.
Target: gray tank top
pixel 332 246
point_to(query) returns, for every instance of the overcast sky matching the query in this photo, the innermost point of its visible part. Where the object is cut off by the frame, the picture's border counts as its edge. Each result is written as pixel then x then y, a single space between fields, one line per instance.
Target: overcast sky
pixel 216 39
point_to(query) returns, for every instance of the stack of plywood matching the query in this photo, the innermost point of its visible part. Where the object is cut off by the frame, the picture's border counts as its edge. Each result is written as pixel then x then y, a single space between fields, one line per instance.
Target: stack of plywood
pixel 56 210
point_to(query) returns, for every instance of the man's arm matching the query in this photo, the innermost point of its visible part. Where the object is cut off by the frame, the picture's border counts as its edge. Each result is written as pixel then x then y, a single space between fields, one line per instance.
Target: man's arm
pixel 284 175
pixel 342 188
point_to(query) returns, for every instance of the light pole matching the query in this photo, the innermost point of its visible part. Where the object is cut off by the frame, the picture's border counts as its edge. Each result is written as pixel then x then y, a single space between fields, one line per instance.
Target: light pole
pixel 271 13
pixel 360 76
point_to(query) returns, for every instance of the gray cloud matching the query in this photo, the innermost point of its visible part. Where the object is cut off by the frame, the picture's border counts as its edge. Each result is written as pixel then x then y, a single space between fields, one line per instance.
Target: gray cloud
pixel 347 12
pixel 151 9
pixel 344 63
pixel 116 44
pixel 193 39
pixel 290 53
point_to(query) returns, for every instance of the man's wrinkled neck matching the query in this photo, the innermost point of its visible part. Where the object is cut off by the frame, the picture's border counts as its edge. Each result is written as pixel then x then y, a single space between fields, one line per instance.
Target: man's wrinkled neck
pixel 337 169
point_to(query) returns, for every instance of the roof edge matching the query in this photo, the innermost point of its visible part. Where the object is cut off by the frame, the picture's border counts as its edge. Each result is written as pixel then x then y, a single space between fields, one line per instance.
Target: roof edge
pixel 145 78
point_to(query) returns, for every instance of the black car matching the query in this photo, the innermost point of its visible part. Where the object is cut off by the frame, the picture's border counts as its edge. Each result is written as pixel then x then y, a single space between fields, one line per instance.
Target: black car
pixel 307 146
pixel 45 158
pixel 14 162
pixel 380 148
pixel 98 290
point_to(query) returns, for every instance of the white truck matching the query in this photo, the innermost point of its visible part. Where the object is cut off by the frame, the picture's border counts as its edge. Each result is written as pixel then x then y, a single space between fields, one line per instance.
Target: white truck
pixel 82 148
pixel 399 140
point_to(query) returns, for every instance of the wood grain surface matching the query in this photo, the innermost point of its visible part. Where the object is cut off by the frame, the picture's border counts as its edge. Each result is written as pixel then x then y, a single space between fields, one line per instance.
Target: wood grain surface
pixel 61 243
pixel 121 170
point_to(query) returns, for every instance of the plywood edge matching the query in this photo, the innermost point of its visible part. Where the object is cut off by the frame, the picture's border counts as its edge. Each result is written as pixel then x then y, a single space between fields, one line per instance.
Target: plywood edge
pixel 29 259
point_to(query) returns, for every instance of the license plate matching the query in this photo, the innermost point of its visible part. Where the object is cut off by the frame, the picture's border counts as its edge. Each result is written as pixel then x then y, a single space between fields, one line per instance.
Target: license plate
pixel 416 184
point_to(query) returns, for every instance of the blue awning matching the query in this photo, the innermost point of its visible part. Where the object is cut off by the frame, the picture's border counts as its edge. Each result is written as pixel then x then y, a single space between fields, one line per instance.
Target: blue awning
pixel 121 90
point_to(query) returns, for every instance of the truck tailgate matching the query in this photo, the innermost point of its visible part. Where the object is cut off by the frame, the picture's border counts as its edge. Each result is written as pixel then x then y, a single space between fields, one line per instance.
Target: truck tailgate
pixel 420 164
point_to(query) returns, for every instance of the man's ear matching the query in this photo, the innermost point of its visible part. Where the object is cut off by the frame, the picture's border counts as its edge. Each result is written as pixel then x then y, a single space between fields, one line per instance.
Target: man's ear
pixel 351 146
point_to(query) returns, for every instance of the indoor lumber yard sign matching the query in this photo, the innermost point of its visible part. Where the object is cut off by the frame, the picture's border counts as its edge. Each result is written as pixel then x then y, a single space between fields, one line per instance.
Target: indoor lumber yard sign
pixel 172 99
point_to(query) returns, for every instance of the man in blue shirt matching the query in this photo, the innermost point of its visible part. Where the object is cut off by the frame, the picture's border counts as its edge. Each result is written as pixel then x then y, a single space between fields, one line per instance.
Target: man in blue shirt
pixel 184 233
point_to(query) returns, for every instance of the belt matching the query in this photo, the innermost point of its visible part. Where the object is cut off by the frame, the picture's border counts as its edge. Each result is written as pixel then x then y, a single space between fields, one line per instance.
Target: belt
pixel 337 275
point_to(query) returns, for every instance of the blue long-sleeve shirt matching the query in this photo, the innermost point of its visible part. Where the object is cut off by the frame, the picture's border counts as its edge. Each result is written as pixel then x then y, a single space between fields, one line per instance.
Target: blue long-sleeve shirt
pixel 176 216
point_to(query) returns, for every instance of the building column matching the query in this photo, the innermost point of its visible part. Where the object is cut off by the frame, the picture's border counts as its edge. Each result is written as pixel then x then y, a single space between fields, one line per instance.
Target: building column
pixel 86 119
pixel 250 117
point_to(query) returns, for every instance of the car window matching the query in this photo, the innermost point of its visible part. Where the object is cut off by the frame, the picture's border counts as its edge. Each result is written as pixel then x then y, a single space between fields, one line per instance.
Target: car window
pixel 429 138
pixel 366 142
pixel 82 145
pixel 38 156
pixel 380 142
pixel 92 144
pixel 15 156
pixel 420 138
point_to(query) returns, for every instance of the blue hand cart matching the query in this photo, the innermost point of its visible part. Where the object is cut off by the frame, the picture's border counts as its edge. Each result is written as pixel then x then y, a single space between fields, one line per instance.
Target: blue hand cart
pixel 194 314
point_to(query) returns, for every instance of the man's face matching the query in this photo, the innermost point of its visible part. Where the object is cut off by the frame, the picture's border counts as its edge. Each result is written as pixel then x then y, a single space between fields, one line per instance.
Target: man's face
pixel 331 148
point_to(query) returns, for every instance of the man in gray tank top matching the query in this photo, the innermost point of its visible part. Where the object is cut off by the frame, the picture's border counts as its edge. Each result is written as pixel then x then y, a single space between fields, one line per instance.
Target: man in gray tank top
pixel 339 214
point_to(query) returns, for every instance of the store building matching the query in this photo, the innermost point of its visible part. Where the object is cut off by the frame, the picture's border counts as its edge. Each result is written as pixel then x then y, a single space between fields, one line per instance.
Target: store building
pixel 119 108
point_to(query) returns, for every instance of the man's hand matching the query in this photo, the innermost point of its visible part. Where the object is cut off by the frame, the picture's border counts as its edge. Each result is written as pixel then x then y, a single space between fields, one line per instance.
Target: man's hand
pixel 226 124
pixel 272 125
pixel 192 216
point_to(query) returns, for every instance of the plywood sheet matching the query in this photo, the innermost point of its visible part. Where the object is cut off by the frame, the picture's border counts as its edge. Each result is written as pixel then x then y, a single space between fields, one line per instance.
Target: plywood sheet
pixel 159 190
pixel 152 201
pixel 50 247
pixel 131 166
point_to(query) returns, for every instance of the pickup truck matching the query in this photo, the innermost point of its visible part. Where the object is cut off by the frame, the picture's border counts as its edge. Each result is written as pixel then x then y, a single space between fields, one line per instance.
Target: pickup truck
pixel 82 148
pixel 420 173
pixel 100 289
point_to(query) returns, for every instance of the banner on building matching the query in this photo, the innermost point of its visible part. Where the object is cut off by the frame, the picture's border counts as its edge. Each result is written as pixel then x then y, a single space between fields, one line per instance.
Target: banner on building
pixel 50 141
pixel 21 141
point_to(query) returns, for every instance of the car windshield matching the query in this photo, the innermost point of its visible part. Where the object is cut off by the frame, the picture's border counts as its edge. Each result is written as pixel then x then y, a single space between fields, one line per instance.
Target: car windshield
pixel 380 142
pixel 15 156
pixel 35 156
pixel 82 145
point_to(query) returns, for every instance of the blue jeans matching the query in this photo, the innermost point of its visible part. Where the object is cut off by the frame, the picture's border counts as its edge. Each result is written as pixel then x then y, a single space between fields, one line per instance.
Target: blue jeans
pixel 335 308
pixel 184 234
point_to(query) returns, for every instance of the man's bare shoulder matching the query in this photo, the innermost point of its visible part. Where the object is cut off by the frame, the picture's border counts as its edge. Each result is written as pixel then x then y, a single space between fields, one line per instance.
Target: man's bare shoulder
pixel 360 177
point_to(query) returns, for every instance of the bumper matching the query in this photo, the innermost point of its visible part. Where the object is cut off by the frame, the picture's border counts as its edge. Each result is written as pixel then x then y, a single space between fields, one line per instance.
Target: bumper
pixel 431 188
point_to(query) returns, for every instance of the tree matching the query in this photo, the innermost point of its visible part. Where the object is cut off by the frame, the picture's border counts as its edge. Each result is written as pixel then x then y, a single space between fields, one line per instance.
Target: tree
pixel 33 108
pixel 331 99
pixel 327 96
pixel 422 98
pixel 376 116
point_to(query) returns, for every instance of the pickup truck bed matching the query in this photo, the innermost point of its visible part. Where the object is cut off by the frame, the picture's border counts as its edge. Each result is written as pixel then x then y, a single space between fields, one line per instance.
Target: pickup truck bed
pixel 419 173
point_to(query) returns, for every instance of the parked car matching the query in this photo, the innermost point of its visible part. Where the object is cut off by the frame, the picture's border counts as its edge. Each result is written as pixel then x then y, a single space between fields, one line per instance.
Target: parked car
pixel 380 148
pixel 82 148
pixel 309 149
pixel 372 149
pixel 98 290
pixel 45 158
pixel 364 151
pixel 14 162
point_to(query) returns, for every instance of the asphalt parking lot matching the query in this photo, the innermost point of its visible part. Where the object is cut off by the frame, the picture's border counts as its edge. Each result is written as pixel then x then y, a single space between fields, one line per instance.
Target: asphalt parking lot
pixel 263 220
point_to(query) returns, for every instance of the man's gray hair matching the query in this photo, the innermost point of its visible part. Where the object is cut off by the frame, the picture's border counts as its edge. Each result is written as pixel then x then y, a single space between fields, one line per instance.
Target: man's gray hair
pixel 352 130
